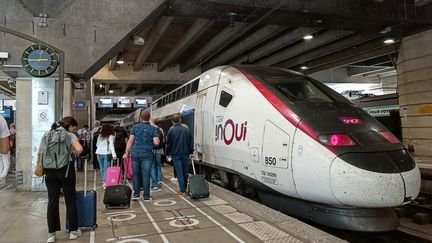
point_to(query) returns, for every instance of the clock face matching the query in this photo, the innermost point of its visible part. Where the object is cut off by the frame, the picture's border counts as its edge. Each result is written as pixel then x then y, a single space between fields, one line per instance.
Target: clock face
pixel 39 60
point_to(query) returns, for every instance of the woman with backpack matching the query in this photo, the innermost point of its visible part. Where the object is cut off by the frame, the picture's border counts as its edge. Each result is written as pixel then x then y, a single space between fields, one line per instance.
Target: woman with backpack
pixel 57 146
pixel 105 151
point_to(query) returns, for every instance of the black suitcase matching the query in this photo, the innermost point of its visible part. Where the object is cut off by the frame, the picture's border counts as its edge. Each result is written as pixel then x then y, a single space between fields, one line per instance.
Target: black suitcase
pixel 197 186
pixel 118 196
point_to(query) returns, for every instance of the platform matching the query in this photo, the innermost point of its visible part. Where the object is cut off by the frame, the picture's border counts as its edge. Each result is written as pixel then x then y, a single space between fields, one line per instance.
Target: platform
pixel 224 217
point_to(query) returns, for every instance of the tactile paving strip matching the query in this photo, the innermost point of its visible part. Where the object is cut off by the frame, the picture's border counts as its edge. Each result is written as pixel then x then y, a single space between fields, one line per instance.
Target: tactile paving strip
pixel 224 209
pixel 213 201
pixel 268 233
pixel 239 218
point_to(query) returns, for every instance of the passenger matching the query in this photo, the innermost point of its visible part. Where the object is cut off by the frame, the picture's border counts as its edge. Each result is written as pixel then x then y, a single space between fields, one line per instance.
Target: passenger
pixel 180 148
pixel 156 169
pixel 121 138
pixel 4 150
pixel 94 133
pixel 141 141
pixel 62 178
pixel 105 151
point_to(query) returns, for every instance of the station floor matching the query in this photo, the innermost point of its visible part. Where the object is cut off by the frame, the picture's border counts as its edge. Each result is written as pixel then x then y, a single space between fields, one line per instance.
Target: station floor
pixel 224 217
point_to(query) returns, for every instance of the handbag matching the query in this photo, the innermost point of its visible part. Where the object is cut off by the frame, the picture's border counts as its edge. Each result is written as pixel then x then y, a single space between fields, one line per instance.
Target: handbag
pixel 39 170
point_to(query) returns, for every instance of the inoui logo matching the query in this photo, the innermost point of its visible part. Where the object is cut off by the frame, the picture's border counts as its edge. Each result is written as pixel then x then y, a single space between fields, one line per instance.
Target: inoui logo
pixel 230 131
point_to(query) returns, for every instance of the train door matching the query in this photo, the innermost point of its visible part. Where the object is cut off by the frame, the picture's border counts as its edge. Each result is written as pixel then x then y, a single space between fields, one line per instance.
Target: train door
pixel 199 124
pixel 276 158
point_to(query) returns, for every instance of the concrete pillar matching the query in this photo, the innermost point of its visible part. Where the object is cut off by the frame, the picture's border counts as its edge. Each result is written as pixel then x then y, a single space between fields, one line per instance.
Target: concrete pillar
pixel 68 97
pixel 414 69
pixel 24 133
pixel 35 113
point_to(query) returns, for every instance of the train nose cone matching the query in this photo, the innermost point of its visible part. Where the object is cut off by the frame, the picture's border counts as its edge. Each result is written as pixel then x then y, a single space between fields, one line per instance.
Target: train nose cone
pixel 374 179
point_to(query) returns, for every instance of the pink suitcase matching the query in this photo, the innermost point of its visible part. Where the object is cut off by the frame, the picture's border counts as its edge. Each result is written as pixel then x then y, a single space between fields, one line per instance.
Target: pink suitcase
pixel 113 175
pixel 128 167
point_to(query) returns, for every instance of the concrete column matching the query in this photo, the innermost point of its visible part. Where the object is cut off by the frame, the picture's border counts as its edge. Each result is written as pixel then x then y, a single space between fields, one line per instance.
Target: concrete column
pixel 24 132
pixel 414 69
pixel 68 98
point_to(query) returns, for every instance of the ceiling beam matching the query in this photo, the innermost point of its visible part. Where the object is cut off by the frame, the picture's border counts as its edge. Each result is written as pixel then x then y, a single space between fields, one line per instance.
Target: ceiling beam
pixel 362 52
pixel 338 46
pixel 356 15
pixel 140 89
pixel 276 45
pixel 124 88
pixel 112 63
pixel 198 28
pixel 215 45
pixel 138 81
pixel 263 35
pixel 155 34
pixel 305 45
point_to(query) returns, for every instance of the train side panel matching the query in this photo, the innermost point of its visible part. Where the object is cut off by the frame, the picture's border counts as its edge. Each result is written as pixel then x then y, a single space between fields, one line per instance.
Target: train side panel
pixel 240 130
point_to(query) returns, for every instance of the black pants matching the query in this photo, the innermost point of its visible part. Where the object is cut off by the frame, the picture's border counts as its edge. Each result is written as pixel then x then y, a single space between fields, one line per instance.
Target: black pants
pixel 54 180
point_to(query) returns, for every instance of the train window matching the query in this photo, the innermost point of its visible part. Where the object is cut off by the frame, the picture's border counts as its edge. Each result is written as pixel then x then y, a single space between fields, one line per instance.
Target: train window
pixel 195 85
pixel 159 103
pixel 225 98
pixel 188 89
pixel 183 92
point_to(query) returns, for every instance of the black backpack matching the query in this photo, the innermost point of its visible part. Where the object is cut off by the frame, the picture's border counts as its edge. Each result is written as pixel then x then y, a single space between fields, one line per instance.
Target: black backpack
pixel 161 139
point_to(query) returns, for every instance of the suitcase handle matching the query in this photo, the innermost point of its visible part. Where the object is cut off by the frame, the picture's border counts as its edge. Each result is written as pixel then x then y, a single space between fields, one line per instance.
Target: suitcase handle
pixel 193 166
pixel 85 177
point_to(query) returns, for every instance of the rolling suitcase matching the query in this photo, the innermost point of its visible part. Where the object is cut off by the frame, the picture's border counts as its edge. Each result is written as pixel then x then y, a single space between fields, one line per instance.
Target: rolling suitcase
pixel 197 186
pixel 113 175
pixel 86 206
pixel 117 196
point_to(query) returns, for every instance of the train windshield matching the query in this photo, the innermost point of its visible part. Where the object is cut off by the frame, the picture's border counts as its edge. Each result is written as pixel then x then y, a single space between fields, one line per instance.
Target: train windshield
pixel 300 89
pixel 294 86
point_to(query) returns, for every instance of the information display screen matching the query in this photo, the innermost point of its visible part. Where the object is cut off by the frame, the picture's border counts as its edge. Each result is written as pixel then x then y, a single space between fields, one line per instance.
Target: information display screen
pixel 6 113
pixel 105 103
pixel 140 103
pixel 80 105
pixel 10 103
pixel 124 102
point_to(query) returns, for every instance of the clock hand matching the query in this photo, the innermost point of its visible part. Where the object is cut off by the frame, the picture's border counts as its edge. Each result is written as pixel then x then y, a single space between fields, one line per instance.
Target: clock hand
pixel 37 60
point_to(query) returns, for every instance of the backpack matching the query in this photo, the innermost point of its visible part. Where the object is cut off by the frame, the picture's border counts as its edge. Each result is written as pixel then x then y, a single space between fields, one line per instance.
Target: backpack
pixel 161 139
pixel 119 141
pixel 57 149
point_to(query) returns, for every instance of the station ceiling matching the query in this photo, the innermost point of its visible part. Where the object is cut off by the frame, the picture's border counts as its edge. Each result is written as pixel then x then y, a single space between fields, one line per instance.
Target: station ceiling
pixel 209 33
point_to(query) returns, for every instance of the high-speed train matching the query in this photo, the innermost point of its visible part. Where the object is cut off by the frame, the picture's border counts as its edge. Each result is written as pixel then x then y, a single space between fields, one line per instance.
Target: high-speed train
pixel 303 148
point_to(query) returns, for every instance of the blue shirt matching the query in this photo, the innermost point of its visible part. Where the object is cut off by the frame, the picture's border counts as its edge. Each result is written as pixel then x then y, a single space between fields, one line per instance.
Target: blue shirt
pixel 179 141
pixel 143 134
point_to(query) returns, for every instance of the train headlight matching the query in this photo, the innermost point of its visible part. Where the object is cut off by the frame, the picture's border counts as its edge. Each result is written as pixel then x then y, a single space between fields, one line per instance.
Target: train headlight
pixel 336 140
pixel 389 137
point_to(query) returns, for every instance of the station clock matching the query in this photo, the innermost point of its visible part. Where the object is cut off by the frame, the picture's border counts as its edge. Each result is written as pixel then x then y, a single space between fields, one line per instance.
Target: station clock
pixel 39 60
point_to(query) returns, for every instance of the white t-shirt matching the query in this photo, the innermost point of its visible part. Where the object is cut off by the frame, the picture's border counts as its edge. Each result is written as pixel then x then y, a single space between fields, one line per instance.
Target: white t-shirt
pixel 4 130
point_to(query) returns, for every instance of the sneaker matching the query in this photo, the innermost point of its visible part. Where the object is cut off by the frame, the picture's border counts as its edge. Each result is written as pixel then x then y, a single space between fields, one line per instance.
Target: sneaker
pixel 148 199
pixel 52 237
pixel 155 189
pixel 181 193
pixel 135 197
pixel 74 234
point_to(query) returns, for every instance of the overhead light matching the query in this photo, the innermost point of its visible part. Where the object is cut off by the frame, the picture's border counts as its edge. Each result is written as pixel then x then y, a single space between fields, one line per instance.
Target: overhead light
pixel 111 91
pixel 101 86
pixel 303 67
pixel 308 37
pixel 389 41
pixel 120 61
pixel 138 40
